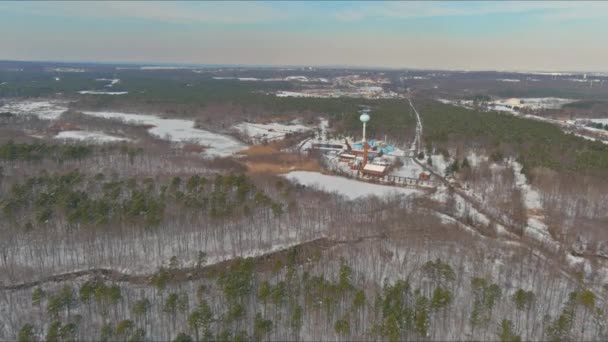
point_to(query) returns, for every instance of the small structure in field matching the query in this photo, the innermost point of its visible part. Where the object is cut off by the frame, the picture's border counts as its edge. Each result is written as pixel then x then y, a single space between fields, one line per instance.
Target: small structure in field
pixel 374 170
pixel 424 176
pixel 347 157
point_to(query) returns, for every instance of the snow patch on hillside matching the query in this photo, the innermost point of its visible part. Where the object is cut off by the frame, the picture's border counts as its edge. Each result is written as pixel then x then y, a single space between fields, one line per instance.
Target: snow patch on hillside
pixel 97 92
pixel 95 137
pixel 295 94
pixel 112 81
pixel 409 169
pixel 439 163
pixel 271 131
pixel 349 188
pixel 536 227
pixel 44 109
pixel 180 131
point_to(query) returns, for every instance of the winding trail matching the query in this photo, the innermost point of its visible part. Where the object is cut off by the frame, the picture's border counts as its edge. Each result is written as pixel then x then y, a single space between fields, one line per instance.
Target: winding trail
pixel 176 275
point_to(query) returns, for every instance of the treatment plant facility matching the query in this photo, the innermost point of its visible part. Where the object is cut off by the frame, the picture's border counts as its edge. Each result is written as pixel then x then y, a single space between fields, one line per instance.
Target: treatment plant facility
pixel 371 159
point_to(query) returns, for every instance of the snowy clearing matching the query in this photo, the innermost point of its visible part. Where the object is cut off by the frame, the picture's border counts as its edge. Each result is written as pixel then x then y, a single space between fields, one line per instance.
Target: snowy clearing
pixel 160 68
pixel 47 110
pixel 295 94
pixel 237 78
pixel 590 138
pixel 603 121
pixel 476 159
pixel 95 92
pixel 349 188
pixel 112 81
pixel 533 103
pixel 94 137
pixel 512 104
pixel 536 227
pixel 179 130
pixel 271 131
pixel 439 163
pixel 409 169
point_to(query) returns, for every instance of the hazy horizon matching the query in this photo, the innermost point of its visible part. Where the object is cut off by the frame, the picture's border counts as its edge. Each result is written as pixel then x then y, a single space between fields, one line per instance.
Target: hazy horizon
pixel 468 36
pixel 278 66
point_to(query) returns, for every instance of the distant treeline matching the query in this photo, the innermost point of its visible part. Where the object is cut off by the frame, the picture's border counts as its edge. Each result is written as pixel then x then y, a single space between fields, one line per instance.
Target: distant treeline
pixel 95 201
pixel 535 143
pixel 11 151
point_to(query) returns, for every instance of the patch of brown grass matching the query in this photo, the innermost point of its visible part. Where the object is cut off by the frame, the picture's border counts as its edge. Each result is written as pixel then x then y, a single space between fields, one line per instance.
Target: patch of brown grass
pixel 193 148
pixel 535 212
pixel 278 168
pixel 269 159
pixel 261 150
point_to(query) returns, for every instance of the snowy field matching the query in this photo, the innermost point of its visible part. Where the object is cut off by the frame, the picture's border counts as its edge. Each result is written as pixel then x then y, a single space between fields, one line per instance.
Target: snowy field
pixel 47 110
pixel 590 138
pixel 97 92
pixel 271 131
pixel 296 94
pixel 533 103
pixel 409 169
pixel 603 121
pixel 507 105
pixel 95 137
pixel 178 130
pixel 112 81
pixel 439 163
pixel 349 188
pixel 237 78
pixel 175 130
pixel 536 227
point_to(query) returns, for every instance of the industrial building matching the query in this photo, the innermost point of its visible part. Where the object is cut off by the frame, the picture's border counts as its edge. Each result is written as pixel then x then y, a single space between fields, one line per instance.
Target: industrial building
pixel 370 160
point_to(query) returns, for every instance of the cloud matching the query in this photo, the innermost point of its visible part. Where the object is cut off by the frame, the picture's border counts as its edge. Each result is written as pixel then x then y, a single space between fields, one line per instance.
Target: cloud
pixel 405 10
pixel 237 12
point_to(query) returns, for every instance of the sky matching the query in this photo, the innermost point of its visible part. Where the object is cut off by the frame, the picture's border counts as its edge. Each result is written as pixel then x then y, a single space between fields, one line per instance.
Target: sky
pixel 477 35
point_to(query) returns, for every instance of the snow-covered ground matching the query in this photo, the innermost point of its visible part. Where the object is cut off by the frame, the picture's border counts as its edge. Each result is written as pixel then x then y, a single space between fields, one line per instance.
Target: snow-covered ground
pixel 533 103
pixel 44 109
pixel 112 81
pixel 296 94
pixel 159 68
pixel 297 78
pixel 603 121
pixel 536 227
pixel 409 169
pixel 590 138
pixel 178 130
pixel 475 159
pixel 349 188
pixel 358 92
pixel 237 78
pixel 439 163
pixel 271 131
pixel 323 126
pixel 99 92
pixel 508 104
pixel 95 137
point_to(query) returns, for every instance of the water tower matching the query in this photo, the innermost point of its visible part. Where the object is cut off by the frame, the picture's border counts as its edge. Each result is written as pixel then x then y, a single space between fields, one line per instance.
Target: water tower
pixel 364 119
